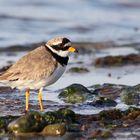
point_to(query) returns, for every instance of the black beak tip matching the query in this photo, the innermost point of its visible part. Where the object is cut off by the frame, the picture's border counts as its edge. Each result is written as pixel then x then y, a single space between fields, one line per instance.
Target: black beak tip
pixel 76 51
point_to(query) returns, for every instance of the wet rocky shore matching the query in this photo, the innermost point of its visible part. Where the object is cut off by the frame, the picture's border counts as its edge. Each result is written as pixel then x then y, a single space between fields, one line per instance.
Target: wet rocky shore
pixel 91 108
pixel 64 123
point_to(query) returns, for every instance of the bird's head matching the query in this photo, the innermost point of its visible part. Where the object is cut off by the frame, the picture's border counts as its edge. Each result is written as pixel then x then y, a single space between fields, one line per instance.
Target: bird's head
pixel 61 46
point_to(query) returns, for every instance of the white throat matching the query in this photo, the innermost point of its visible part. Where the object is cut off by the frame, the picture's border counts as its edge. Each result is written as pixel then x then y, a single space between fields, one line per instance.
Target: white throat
pixel 59 52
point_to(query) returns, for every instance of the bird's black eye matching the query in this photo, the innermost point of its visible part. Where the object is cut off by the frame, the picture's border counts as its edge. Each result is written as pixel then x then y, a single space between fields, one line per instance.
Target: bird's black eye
pixel 66 48
pixel 65 41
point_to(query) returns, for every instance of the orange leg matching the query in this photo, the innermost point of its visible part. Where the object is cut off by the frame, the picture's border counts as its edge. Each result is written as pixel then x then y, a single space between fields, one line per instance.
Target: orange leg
pixel 27 99
pixel 40 99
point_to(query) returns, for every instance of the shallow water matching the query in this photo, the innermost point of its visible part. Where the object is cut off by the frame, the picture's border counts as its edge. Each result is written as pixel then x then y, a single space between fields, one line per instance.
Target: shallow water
pixel 24 21
pixel 13 102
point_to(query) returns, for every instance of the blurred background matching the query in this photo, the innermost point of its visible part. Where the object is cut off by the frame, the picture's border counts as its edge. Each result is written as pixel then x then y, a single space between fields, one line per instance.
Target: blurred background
pixel 29 21
pixel 106 70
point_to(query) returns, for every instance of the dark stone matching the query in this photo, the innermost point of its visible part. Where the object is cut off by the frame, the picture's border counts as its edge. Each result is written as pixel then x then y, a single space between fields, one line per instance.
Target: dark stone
pixel 31 122
pixel 51 117
pixel 59 116
pixel 3 126
pixel 103 102
pixel 67 114
pixel 74 127
pixel 117 60
pixel 109 91
pixel 4 121
pixel 110 114
pixel 78 70
pixel 6 89
pixel 100 134
pixel 130 96
pixel 132 109
pixel 137 87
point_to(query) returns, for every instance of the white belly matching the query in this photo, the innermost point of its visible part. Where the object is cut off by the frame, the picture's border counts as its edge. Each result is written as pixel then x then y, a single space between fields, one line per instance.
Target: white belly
pixel 56 75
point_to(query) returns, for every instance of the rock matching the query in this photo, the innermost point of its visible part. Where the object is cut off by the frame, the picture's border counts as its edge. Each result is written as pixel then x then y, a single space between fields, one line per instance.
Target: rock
pixel 78 70
pixel 72 136
pixel 75 93
pixel 54 129
pixel 93 87
pixel 5 89
pixel 51 117
pixel 100 134
pixel 4 121
pixel 109 91
pixel 133 115
pixel 117 60
pixel 103 102
pixel 31 122
pixel 67 114
pixel 137 87
pixel 62 115
pixel 130 96
pixel 2 126
pixel 113 114
pixel 74 127
pixel 132 109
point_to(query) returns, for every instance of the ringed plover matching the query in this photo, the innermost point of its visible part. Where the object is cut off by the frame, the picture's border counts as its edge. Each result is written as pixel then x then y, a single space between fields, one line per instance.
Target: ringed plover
pixel 39 68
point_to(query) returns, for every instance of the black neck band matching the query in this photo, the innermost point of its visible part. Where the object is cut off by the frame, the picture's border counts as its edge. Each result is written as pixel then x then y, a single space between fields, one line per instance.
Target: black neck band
pixel 62 60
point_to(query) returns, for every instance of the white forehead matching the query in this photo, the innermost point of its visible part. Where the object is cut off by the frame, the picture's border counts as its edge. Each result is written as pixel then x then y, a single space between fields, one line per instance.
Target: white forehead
pixel 57 42
pixel 67 44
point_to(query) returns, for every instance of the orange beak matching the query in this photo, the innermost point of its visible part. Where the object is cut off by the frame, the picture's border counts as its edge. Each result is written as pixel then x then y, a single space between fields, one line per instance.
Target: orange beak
pixel 72 49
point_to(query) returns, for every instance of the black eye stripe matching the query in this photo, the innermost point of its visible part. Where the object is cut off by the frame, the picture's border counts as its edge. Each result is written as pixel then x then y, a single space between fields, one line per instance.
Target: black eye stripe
pixel 60 47
pixel 66 48
pixel 56 47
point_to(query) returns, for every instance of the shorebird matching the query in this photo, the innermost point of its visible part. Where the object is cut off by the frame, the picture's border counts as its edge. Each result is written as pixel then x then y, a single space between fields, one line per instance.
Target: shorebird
pixel 39 68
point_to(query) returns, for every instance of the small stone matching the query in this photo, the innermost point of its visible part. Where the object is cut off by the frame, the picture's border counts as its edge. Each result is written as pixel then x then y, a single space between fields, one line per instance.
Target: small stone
pixel 109 91
pixel 74 127
pixel 101 134
pixel 78 70
pixel 109 74
pixel 54 129
pixel 103 102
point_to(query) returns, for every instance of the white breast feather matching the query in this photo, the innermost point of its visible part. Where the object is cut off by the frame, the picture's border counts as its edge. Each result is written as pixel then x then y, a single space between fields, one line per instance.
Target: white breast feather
pixel 56 75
